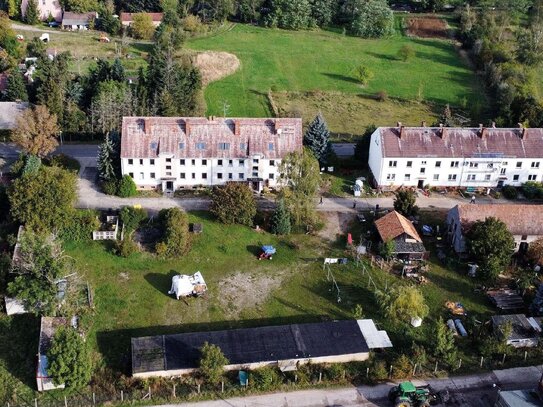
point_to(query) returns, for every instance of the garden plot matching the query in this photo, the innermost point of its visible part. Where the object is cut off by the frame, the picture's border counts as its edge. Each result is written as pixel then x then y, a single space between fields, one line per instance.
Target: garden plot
pixel 427 27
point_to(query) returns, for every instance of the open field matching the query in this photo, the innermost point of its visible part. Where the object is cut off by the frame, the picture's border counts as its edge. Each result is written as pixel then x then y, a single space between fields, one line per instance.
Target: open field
pixel 302 61
pixel 348 115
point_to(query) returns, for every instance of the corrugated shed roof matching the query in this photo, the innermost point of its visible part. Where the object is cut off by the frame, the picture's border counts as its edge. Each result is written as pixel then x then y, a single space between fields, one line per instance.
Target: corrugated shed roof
pixel 394 224
pixel 199 137
pixel 520 219
pixel 461 142
pixel 127 17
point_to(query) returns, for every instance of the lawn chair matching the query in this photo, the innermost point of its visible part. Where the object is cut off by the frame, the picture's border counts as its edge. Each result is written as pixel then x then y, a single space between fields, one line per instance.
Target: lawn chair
pixel 267 252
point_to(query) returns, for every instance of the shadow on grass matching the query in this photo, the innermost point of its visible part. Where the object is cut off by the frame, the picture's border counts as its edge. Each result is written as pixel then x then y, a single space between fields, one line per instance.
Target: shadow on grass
pixel 340 77
pixel 254 250
pixel 116 349
pixel 162 282
pixel 383 56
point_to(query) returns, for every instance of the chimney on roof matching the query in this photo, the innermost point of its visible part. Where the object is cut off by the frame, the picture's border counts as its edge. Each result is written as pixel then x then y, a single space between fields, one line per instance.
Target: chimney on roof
pixel 442 131
pixel 423 123
pixel 399 124
pixel 523 133
pixel 402 131
pixel 493 125
pixel 147 124
pixel 236 128
pixel 187 127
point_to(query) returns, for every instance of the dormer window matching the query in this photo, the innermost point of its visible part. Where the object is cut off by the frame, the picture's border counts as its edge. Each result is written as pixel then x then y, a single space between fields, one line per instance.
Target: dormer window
pixel 200 146
pixel 181 146
pixel 154 145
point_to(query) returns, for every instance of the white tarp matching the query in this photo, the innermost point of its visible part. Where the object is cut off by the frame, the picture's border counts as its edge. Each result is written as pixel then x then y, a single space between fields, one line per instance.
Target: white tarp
pixel 184 285
pixel 14 306
pixel 374 338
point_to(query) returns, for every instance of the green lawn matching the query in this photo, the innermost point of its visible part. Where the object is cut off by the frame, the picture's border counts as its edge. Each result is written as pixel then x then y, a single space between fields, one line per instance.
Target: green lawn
pixel 309 60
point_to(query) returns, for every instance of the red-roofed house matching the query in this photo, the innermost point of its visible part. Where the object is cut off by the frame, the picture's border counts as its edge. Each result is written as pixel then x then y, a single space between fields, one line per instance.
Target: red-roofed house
pixel 127 18
pixel 184 152
pixel 455 157
pixel 398 229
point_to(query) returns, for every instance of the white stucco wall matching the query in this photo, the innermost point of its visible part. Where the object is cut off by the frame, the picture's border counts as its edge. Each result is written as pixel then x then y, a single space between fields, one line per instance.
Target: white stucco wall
pixel 46 8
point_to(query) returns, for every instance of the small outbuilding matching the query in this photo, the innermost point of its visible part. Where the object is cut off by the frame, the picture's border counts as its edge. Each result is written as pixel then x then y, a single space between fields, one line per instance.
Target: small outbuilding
pixel 398 229
pixel 285 346
pixel 525 332
pixel 78 21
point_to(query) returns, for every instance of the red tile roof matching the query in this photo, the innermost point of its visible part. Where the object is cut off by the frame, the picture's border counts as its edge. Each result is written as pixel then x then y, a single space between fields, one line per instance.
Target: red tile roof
pixel 461 142
pixel 127 17
pixel 147 137
pixel 520 219
pixel 394 224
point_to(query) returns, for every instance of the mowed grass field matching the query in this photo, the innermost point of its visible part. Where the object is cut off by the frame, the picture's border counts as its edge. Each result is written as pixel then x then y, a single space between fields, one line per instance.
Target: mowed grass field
pixel 300 61
pixel 131 294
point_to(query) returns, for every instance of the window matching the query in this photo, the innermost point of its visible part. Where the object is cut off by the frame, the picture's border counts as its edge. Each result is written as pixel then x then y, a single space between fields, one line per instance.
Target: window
pixel 168 167
pixel 182 161
pixel 255 174
pixel 182 175
pixel 270 147
pixel 502 171
pixel 535 164
pixel 230 175
pixel 255 168
pixel 204 175
pixel 423 163
pixel 487 177
pixel 407 177
pixel 515 177
pixel 168 173
pixel 471 177
pixel 519 164
pixel 409 164
pixel 152 161
pixel 141 161
pixel 131 175
pixel 393 164
pixel 504 163
pixel 230 163
pixel 272 163
pixel 204 162
pixel 391 177
pixel 168 160
pixel 181 146
pixel 255 160
pixel 452 177
pixel 130 161
pixel 532 177
pixel 193 175
pixel 423 170
pixel 153 145
pixel 219 175
pixel 241 163
pixel 200 146
pixel 454 164
pixel 271 176
pixel 243 146
pixel 192 162
pixel 490 165
pixel 219 162
pixel 224 146
pixel 473 165
pixel 524 237
pixel 153 176
pixel 241 175
pixel 142 175
pixel 436 177
pixel 438 164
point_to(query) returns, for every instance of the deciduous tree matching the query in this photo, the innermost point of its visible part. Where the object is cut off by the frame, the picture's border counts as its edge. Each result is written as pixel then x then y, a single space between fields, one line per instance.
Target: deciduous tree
pixel 300 180
pixel 491 244
pixel 372 19
pixel 405 202
pixel 142 26
pixel 363 74
pixel 212 363
pixel 43 201
pixel 233 202
pixel 69 359
pixel 402 303
pixel 36 131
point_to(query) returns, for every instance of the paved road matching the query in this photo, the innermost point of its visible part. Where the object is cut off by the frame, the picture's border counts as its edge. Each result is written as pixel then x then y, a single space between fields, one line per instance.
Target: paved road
pixel 78 151
pixel 466 391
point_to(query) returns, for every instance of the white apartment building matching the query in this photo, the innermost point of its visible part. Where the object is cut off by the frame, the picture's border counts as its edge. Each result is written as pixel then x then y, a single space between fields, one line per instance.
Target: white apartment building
pixel 455 157
pixel 170 153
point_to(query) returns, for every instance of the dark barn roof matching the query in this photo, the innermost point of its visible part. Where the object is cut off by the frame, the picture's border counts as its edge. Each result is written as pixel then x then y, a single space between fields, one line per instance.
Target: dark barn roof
pixel 250 345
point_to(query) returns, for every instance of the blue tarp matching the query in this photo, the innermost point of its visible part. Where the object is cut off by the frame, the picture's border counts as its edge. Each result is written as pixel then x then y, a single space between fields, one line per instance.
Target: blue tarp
pixel 268 249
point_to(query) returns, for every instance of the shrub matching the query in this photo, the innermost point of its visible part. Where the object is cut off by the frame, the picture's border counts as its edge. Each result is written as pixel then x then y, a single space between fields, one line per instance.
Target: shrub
pixel 64 161
pixel 233 203
pixel 266 378
pixel 80 227
pixel 532 190
pixel 363 74
pixel 406 52
pixel 212 362
pixel 334 372
pixel 401 368
pixel 193 24
pixel 110 187
pixel 126 247
pixel 132 217
pixel 381 96
pixel 378 371
pixel 175 231
pixel 127 187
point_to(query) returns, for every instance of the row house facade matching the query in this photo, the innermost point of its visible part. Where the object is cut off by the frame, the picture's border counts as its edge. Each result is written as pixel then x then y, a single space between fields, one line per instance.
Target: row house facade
pixel 455 157
pixel 170 153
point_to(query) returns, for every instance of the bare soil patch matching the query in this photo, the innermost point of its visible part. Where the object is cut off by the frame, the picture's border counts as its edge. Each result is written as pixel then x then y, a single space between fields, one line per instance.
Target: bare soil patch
pixel 337 223
pixel 245 291
pixel 215 65
pixel 427 27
